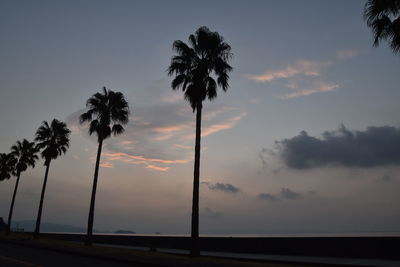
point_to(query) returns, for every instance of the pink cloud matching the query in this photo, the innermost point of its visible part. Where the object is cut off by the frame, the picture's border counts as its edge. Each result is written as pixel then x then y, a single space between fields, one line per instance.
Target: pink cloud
pixel 322 87
pixel 106 165
pixel 301 67
pixel 157 168
pixel 134 159
pixel 222 126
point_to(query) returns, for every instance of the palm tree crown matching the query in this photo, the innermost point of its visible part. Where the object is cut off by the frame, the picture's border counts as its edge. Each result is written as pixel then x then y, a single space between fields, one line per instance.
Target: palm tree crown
pixel 383 17
pixel 53 139
pixel 195 65
pixel 106 113
pixel 25 154
pixel 7 165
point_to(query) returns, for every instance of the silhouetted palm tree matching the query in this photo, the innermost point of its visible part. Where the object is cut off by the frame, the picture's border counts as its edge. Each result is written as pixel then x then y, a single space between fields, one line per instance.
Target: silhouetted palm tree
pixel 107 112
pixel 195 67
pixel 383 17
pixel 7 165
pixel 25 154
pixel 54 140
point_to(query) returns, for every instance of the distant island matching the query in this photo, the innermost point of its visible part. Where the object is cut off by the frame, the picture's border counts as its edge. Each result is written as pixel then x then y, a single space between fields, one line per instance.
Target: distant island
pixel 124 232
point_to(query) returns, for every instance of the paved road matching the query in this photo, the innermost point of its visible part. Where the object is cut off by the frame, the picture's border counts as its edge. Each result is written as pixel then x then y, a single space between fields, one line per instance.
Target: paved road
pixel 17 256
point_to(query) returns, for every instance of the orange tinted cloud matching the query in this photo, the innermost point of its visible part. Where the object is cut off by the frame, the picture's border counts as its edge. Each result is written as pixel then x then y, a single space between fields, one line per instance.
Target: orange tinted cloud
pixel 157 168
pixel 121 155
pixel 301 67
pixel 322 87
pixel 106 165
pixel 125 142
pixel 149 162
pixel 183 146
pixel 222 126
pixel 169 129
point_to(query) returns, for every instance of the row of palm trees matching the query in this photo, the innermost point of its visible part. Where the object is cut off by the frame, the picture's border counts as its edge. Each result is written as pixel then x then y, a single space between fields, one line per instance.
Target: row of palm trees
pixel 52 141
pixel 195 67
pixel 107 112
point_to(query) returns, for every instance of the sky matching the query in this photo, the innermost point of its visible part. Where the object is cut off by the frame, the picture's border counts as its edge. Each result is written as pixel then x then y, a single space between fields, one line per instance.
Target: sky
pixel 305 140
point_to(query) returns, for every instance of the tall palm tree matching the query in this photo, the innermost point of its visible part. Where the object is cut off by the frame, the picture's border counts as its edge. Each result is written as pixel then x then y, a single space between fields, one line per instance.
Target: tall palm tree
pixel 107 113
pixel 54 140
pixel 195 68
pixel 383 17
pixel 7 165
pixel 25 154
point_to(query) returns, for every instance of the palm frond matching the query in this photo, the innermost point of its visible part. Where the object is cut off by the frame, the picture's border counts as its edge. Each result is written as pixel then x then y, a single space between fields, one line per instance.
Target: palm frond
pixel 382 16
pixel 25 154
pixel 117 129
pixel 194 66
pixel 105 109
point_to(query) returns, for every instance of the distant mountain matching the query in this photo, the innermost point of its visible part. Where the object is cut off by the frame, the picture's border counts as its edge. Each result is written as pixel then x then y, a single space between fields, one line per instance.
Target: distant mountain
pixel 29 226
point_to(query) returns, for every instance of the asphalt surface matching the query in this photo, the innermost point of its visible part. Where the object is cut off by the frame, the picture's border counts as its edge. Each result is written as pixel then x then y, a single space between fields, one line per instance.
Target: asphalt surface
pixel 14 255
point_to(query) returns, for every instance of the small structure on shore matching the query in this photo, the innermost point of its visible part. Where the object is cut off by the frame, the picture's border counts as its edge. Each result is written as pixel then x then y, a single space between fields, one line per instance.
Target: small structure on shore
pixel 124 232
pixel 3 225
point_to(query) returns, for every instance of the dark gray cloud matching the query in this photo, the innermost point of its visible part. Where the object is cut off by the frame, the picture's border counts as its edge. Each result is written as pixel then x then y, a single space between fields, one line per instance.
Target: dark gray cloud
pixel 376 146
pixel 267 196
pixel 289 194
pixel 285 193
pixel 227 188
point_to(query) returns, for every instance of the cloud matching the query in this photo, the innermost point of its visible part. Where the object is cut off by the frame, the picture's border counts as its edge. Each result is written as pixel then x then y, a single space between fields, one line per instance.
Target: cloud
pixel 301 67
pixel 267 196
pixel 289 194
pixel 222 126
pixel 183 147
pixel 227 188
pixel 157 168
pixel 303 76
pixel 376 146
pixel 320 88
pixel 106 165
pixel 139 159
pixel 347 53
pixel 126 142
pixel 285 193
pixel 160 134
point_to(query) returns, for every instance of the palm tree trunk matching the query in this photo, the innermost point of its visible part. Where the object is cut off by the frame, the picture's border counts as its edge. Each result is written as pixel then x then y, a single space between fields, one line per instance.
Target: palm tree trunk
pixel 39 216
pixel 88 240
pixel 8 230
pixel 195 251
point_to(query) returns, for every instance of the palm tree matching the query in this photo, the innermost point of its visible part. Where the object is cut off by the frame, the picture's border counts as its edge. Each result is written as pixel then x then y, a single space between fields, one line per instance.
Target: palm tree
pixel 383 17
pixel 25 154
pixel 195 67
pixel 54 140
pixel 7 165
pixel 107 112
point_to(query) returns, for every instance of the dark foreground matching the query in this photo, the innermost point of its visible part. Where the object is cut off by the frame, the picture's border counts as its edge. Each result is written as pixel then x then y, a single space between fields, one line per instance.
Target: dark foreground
pixel 21 250
pixel 386 248
pixel 16 255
